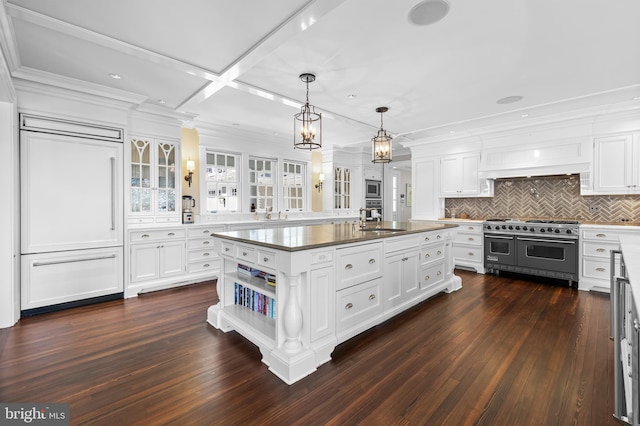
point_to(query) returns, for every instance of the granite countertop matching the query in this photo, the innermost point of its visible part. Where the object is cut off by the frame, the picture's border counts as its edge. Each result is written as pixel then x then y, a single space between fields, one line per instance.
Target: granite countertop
pixel 298 238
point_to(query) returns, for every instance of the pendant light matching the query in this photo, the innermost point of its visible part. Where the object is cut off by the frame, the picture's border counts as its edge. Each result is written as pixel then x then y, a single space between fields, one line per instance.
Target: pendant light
pixel 381 143
pixel 307 124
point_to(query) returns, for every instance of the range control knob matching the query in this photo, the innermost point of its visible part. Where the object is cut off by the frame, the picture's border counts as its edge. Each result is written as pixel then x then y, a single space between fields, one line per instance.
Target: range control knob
pixel 517 228
pixel 524 228
pixel 488 227
pixel 510 227
pixel 557 231
pixel 531 229
pixel 542 230
pixel 504 227
pixel 569 231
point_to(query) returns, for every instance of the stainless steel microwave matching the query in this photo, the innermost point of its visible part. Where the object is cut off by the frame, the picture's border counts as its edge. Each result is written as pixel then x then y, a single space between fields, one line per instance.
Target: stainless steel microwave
pixel 373 188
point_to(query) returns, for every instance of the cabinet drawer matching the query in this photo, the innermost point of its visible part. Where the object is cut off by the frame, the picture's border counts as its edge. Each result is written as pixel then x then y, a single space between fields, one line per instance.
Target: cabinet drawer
pixel 472 254
pixel 434 237
pixel 429 254
pixel 467 238
pixel 199 243
pixel 599 269
pixel 248 254
pixel 170 219
pixel 600 235
pixel 321 257
pixel 358 264
pixel 472 229
pixel 357 304
pixel 156 234
pixel 203 265
pixel 432 275
pixel 202 254
pixel 267 258
pixel 203 232
pixel 227 248
pixel 401 243
pixel 598 249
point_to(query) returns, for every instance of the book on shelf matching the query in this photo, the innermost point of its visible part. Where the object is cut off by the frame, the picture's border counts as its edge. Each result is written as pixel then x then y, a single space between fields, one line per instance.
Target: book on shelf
pixel 254 300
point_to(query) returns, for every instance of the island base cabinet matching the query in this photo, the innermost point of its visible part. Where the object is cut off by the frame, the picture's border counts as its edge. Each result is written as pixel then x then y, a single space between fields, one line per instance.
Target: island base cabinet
pixel 358 308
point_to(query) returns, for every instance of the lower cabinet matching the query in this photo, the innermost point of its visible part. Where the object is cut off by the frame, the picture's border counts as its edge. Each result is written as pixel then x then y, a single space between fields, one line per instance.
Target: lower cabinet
pixel 596 243
pixel 157 260
pixel 358 307
pixel 402 281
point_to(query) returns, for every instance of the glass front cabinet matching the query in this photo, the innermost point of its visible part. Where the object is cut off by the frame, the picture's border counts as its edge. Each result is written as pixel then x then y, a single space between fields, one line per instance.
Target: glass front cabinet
pixel 154 188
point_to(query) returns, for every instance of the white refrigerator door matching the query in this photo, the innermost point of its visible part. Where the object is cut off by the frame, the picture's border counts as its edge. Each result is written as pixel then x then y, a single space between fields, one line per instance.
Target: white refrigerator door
pixel 71 193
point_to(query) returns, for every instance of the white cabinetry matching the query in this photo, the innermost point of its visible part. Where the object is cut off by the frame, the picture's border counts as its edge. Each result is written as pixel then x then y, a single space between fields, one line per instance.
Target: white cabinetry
pixel 157 254
pixel 468 245
pixel 154 177
pixel 401 279
pixel 596 243
pixel 202 259
pixel 459 177
pixel 617 164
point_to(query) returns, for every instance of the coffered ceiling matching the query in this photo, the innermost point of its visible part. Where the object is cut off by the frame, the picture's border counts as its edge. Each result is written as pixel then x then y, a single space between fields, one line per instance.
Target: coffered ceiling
pixel 237 63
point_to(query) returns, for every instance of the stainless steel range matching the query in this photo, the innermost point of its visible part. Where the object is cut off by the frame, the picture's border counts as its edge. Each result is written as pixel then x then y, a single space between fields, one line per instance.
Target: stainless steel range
pixel 547 248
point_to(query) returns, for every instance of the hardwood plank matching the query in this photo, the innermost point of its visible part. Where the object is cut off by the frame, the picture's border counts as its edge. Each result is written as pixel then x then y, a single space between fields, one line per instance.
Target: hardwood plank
pixel 503 350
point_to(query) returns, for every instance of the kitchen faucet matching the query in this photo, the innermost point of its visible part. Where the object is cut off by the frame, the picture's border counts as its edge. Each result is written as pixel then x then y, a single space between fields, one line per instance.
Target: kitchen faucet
pixel 363 219
pixel 267 214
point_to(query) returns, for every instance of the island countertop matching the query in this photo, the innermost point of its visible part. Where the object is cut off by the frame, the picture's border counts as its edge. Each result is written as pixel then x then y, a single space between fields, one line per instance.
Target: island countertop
pixel 314 236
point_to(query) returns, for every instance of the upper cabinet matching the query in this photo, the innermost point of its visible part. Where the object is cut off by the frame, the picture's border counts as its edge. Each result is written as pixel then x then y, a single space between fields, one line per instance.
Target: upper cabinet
pixel 342 188
pixel 459 177
pixel 155 168
pixel 616 165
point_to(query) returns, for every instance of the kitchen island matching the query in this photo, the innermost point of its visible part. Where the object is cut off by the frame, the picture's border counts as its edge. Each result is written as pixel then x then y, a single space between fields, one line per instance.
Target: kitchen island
pixel 297 292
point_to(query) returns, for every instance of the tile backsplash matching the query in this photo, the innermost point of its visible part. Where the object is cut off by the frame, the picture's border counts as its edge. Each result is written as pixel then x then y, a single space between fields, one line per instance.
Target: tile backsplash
pixel 548 197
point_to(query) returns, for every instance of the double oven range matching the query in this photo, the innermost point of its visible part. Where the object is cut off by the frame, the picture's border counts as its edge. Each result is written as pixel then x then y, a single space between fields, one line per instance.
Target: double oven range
pixel 547 248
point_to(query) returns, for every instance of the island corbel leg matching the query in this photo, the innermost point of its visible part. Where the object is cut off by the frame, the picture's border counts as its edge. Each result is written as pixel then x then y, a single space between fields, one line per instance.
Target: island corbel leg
pixel 292 315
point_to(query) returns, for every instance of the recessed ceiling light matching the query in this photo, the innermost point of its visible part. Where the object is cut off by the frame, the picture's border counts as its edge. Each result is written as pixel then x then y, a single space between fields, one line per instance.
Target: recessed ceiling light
pixel 509 100
pixel 428 12
pixel 524 115
pixel 162 101
pixel 115 76
pixel 452 131
pixel 351 96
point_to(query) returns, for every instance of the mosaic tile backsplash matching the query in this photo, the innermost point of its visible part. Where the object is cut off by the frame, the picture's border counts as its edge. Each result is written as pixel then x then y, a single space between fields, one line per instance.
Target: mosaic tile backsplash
pixel 547 197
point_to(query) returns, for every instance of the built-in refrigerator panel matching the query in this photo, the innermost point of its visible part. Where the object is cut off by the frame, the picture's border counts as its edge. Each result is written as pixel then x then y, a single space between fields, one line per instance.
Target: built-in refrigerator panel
pixel 71 193
pixel 72 214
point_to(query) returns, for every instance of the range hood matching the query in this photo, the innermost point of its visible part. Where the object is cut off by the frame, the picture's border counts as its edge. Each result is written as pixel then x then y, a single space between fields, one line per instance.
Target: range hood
pixel 520 172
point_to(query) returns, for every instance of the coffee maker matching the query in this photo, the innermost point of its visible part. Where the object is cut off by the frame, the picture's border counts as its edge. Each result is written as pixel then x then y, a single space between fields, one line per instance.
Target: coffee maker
pixel 187 204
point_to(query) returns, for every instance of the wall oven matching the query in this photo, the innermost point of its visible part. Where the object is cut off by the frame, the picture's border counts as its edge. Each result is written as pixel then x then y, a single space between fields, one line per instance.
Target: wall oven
pixel 547 248
pixel 373 188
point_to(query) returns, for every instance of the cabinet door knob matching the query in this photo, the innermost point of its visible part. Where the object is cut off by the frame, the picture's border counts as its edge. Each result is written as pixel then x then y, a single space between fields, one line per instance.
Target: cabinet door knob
pixel 372 261
pixel 427 277
pixel 439 252
pixel 372 296
pixel 348 266
pixel 427 255
pixel 438 237
pixel 244 253
pixel 226 249
pixel 426 238
pixel 439 273
pixel 348 306
pixel 265 259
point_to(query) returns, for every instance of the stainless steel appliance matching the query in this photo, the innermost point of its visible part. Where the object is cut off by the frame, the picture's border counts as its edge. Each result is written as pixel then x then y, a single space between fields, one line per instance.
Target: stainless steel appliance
pixel 373 189
pixel 547 248
pixel 374 204
pixel 187 204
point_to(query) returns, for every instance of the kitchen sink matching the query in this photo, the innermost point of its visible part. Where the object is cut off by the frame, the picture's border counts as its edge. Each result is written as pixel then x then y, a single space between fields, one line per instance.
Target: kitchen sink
pixel 383 230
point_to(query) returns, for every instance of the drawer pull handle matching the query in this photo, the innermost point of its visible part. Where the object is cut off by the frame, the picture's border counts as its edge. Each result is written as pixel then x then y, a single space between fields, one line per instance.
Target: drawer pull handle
pixel 145 236
pixel 438 237
pixel 349 266
pixel 439 273
pixel 372 296
pixel 427 277
pixel 470 253
pixel 205 254
pixel 404 259
pixel 439 252
pixel 601 235
pixel 226 249
pixel 600 250
pixel 600 269
pixel 470 228
pixel 348 306
pixel 206 242
pixel 471 239
pixel 427 255
pixel 372 261
pixel 206 265
pixel 171 234
pixel 244 253
pixel 426 238
pixel 265 259
pixel 206 231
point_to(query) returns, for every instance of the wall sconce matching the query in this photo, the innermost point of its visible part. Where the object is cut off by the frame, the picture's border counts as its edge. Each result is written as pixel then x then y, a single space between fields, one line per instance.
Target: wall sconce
pixel 191 166
pixel 320 180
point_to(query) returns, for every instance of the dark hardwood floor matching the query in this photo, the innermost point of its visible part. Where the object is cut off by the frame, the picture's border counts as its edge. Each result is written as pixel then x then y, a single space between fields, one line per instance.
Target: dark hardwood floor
pixel 501 351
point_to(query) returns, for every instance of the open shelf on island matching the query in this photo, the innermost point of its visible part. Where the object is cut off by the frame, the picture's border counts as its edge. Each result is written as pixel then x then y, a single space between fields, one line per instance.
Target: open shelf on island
pixel 255 283
pixel 246 322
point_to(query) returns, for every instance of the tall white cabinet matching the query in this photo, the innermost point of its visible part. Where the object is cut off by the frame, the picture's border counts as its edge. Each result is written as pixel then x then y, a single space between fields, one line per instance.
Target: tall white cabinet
pixel 617 164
